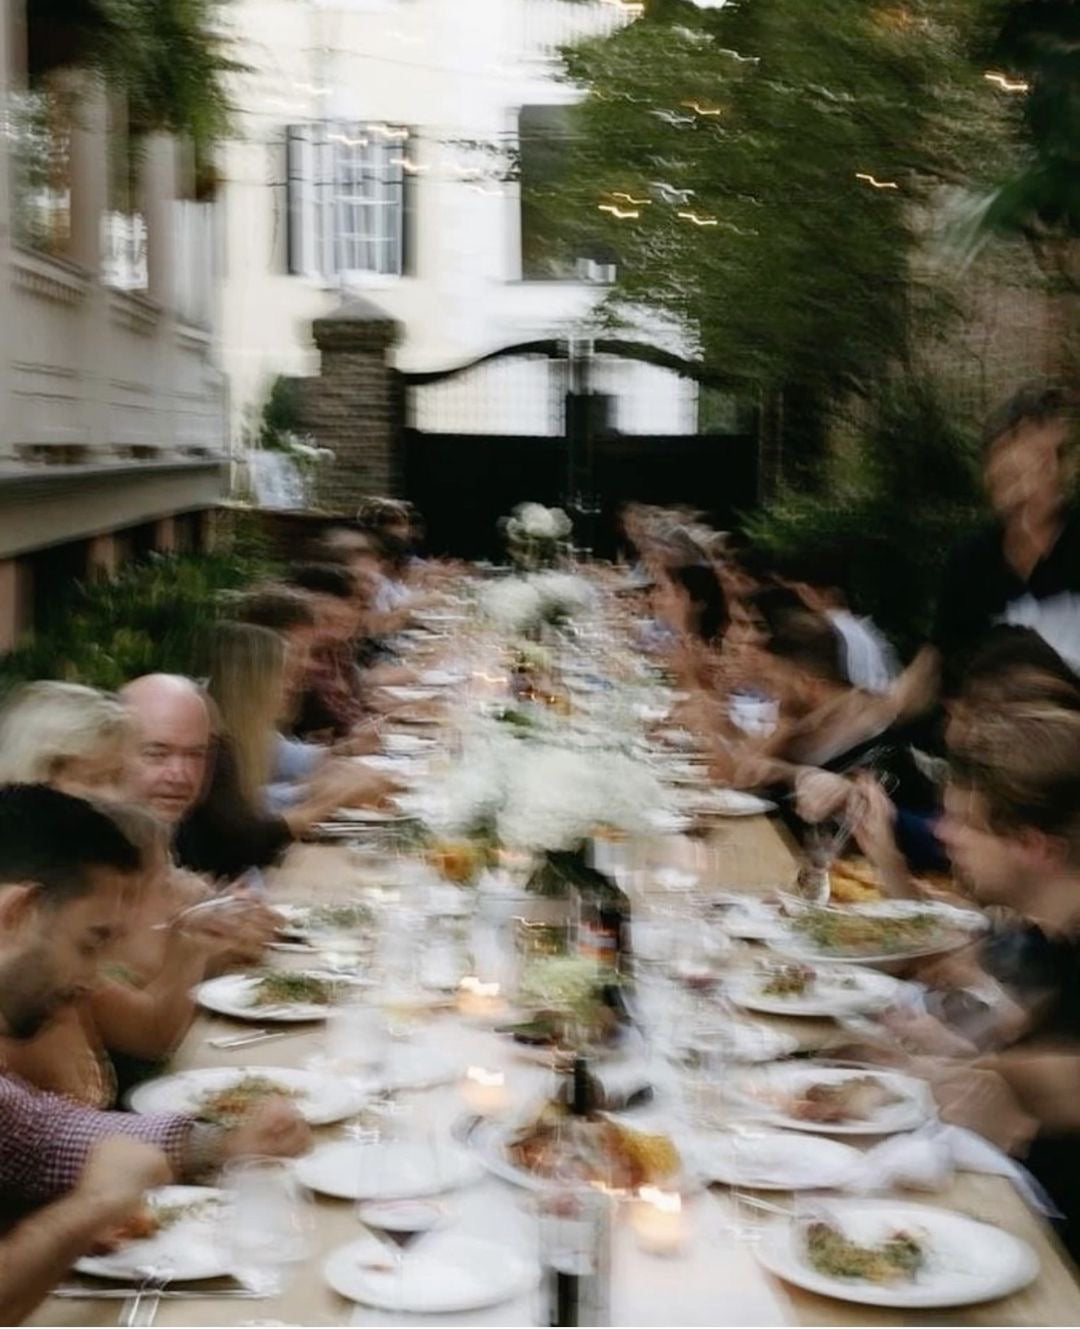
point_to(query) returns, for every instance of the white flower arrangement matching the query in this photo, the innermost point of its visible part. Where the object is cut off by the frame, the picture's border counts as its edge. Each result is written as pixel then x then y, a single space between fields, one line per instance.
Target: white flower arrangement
pixel 534 533
pixel 555 798
pixel 537 796
pixel 514 605
pixel 562 595
pixel 532 521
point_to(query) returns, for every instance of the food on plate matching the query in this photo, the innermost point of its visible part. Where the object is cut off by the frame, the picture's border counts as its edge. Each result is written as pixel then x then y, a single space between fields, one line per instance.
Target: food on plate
pixel 225 1107
pixel 847 932
pixel 148 1221
pixel 856 1099
pixel 853 883
pixel 278 986
pixel 787 980
pixel 899 1256
pixel 339 916
pixel 616 1155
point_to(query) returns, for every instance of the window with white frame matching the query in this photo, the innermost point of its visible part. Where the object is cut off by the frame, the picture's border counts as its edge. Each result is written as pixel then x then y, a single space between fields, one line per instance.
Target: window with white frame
pixel 347 198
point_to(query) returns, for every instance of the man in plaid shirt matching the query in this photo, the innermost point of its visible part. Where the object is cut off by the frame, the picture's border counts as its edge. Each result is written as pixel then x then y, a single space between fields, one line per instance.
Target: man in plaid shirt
pixel 67 875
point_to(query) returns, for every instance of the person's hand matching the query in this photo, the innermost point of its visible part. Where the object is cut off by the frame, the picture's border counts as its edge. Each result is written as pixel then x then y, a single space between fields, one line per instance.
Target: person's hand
pixel 917 688
pixel 923 1035
pixel 117 1174
pixel 364 739
pixel 273 1129
pixel 820 795
pixel 982 1101
pixel 873 816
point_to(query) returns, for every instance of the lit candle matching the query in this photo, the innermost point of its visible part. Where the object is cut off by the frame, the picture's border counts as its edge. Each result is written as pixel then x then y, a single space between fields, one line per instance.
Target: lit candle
pixel 485 1091
pixel 480 1001
pixel 658 1221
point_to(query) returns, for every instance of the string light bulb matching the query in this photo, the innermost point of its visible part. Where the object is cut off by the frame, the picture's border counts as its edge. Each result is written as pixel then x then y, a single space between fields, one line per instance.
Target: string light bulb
pixel 874 182
pixel 1006 84
pixel 698 219
pixel 620 214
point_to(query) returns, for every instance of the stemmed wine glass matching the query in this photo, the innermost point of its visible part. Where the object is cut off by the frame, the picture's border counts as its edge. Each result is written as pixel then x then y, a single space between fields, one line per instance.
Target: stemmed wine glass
pixel 403 1141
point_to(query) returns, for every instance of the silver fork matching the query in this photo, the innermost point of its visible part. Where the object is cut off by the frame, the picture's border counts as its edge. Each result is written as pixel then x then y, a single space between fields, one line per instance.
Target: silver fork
pixel 142 1309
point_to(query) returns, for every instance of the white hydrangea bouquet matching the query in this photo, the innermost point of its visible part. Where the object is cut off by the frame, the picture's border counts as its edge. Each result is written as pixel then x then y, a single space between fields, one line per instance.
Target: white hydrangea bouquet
pixel 519 606
pixel 535 533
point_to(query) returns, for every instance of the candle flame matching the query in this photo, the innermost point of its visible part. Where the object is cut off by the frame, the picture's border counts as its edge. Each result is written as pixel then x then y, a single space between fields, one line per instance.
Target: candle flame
pixel 666 1202
pixel 489 1079
pixel 470 983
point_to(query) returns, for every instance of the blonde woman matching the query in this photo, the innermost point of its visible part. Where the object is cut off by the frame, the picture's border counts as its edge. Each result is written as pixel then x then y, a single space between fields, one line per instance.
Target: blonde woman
pixel 229 833
pixel 74 738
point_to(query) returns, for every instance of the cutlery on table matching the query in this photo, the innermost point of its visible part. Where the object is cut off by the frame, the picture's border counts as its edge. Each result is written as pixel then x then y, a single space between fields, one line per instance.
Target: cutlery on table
pixel 245 1040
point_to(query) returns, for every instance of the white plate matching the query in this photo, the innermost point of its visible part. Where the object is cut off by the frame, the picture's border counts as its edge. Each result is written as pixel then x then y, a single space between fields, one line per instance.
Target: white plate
pixel 837 990
pixel 770 1160
pixel 728 803
pixel 441 678
pixel 446 1274
pixel 234 995
pixel 956 928
pixel 190 1249
pixel 410 693
pixel 320 1099
pixel 406 745
pixel 749 1043
pixel 967 1261
pixel 747 917
pixel 764 1090
pixel 406 768
pixel 392 1171
pixel 298 917
pixel 490 1140
pixel 369 816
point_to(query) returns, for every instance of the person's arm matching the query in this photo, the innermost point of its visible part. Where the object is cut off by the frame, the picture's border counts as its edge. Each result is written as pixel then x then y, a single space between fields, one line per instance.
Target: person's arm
pixel 45 1140
pixel 36 1254
pixel 149 1022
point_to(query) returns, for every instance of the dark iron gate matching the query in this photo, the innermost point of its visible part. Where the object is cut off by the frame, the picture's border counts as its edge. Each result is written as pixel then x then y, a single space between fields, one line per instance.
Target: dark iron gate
pixel 556 444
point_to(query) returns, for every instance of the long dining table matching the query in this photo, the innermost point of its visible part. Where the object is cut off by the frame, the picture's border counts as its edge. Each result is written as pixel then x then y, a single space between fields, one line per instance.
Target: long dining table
pixel 714 1279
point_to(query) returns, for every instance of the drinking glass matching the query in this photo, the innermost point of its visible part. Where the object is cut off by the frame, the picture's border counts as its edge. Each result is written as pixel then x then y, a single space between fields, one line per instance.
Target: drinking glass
pixel 270 1221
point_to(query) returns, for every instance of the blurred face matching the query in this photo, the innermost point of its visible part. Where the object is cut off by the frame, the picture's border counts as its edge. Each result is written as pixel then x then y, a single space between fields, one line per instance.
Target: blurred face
pixel 338 620
pixel 171 758
pixel 298 644
pixel 1025 472
pixel 994 866
pixel 49 955
pixel 103 774
pixel 671 603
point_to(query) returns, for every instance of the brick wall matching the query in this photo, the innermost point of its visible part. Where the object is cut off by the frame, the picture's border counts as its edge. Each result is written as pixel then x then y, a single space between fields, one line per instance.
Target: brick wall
pixel 353 407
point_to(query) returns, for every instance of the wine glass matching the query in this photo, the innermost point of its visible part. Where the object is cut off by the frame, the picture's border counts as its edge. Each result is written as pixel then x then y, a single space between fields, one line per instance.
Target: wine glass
pixel 400 1152
pixel 270 1221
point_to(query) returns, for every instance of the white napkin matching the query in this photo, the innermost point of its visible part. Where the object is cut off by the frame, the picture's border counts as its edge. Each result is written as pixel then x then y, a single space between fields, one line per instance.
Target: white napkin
pixel 926 1159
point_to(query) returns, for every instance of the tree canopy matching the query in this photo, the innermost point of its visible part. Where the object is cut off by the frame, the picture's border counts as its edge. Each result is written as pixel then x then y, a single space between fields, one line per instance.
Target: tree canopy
pixel 765 171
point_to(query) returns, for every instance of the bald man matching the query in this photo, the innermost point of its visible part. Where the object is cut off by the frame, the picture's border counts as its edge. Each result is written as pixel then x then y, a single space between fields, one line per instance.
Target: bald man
pixel 170 768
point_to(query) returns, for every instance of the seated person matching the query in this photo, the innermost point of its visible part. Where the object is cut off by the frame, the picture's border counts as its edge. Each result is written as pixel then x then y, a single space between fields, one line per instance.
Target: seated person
pixel 75 738
pixel 331 700
pixel 228 832
pixel 68 875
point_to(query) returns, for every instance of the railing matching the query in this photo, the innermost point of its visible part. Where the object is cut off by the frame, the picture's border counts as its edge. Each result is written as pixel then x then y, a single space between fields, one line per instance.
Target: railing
pixel 549 24
pixel 123 251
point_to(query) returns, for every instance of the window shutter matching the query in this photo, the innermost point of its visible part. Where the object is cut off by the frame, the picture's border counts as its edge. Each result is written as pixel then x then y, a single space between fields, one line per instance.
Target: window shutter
pixel 298 177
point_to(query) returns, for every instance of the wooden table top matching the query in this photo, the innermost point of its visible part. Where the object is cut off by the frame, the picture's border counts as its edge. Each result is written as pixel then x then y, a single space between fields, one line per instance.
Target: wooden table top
pixel 749 853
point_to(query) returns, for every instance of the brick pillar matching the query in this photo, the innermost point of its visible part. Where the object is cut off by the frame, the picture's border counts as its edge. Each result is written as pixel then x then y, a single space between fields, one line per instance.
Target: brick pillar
pixel 102 556
pixel 352 407
pixel 15 602
pixel 165 535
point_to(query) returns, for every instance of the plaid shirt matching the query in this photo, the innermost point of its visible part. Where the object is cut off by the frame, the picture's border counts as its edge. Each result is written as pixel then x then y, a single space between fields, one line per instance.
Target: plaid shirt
pixel 45 1139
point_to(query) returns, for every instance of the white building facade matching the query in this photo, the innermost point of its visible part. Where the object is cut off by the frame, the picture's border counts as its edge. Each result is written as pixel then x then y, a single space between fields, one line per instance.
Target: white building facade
pixel 367 163
pixel 113 422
